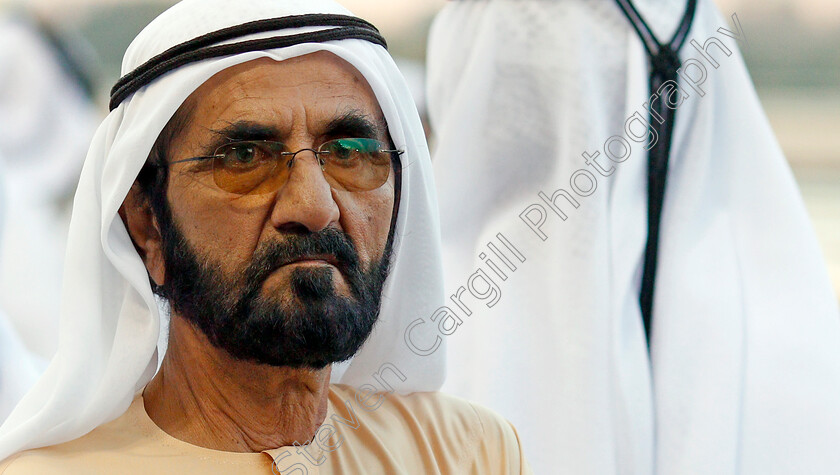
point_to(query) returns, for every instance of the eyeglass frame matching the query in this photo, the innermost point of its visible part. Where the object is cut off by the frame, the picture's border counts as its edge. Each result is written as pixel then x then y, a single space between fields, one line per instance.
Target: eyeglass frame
pixel 317 153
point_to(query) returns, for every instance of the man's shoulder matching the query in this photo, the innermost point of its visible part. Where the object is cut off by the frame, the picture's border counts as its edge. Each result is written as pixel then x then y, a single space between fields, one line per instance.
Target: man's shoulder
pixel 453 415
pixel 445 422
pixel 44 460
pixel 98 447
pixel 55 458
pixel 424 407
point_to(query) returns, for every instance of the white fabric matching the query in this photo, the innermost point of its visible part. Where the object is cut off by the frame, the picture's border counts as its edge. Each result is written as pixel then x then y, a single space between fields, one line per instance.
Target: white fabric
pixel 18 369
pixel 414 73
pixel 46 123
pixel 109 319
pixel 745 373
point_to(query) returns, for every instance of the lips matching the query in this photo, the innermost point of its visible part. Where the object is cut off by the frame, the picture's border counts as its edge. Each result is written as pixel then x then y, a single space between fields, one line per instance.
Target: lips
pixel 327 258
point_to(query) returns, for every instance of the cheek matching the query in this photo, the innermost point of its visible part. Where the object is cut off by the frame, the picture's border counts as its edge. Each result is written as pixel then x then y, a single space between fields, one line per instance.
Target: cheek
pixel 225 228
pixel 366 217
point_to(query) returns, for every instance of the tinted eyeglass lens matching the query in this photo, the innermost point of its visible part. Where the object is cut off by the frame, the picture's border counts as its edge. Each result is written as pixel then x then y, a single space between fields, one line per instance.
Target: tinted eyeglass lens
pixel 355 164
pixel 250 167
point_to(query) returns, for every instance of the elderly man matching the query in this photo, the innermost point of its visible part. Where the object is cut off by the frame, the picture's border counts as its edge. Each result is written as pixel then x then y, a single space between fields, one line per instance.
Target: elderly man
pixel 287 195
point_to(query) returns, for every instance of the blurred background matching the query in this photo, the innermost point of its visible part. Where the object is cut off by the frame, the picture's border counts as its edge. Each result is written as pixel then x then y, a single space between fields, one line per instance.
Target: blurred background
pixel 792 55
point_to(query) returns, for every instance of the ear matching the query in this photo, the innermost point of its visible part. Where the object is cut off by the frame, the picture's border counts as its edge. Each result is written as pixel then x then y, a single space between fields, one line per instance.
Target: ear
pixel 144 230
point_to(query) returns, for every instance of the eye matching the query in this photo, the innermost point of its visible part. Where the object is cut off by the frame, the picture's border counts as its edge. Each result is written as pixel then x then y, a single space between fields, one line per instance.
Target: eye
pixel 243 154
pixel 351 149
pixel 342 150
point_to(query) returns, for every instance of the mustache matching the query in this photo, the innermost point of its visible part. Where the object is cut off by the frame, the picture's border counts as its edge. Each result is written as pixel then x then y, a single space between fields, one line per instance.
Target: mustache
pixel 327 242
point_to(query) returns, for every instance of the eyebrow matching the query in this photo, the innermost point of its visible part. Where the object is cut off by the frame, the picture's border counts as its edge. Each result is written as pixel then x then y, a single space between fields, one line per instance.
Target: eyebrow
pixel 236 132
pixel 354 124
pixel 239 131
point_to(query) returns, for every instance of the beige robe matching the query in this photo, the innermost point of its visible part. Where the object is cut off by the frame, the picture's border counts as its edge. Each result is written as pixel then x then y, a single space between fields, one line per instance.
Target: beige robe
pixel 364 433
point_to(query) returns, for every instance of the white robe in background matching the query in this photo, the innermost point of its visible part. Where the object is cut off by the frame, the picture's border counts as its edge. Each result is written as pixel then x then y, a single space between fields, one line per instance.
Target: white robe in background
pixel 744 373
pixel 19 369
pixel 46 123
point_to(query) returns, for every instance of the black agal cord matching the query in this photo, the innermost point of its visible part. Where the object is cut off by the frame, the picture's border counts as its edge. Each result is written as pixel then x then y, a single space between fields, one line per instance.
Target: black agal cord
pixel 207 46
pixel 664 62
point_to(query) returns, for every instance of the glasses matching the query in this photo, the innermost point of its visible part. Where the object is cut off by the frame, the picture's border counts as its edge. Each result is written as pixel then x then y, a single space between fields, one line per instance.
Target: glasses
pixel 255 167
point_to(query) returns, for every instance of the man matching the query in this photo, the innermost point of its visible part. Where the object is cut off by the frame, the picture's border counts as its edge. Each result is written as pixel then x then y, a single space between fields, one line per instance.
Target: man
pixel 541 114
pixel 286 197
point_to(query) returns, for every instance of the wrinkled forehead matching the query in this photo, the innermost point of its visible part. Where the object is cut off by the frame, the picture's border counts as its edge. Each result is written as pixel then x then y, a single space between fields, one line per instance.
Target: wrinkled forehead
pixel 313 88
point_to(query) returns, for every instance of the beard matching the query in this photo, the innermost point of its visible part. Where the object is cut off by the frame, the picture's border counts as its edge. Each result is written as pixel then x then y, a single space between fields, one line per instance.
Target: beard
pixel 308 324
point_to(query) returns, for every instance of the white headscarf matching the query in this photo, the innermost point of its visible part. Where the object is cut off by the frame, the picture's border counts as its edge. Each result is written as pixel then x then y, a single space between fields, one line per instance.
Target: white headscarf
pixel 110 323
pixel 744 375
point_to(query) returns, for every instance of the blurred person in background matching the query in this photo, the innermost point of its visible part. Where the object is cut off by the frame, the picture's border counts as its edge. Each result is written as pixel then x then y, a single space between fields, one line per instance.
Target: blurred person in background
pixel 542 116
pixel 19 369
pixel 47 118
pixel 414 73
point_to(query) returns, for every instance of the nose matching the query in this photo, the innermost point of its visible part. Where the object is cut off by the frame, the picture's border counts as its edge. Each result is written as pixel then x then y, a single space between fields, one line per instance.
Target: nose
pixel 306 199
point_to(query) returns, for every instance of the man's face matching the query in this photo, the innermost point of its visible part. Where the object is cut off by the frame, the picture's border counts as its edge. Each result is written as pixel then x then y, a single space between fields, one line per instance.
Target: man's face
pixel 291 277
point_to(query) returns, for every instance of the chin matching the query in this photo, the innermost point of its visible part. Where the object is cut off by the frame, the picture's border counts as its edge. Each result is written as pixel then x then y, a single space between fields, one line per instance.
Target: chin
pixel 313 327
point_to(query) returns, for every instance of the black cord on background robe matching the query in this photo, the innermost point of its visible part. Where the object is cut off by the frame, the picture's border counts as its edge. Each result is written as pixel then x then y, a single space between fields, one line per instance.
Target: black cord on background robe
pixel 664 62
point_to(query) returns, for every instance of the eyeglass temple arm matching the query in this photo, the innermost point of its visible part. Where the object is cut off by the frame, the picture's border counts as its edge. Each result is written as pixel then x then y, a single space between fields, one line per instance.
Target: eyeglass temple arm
pixel 195 159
